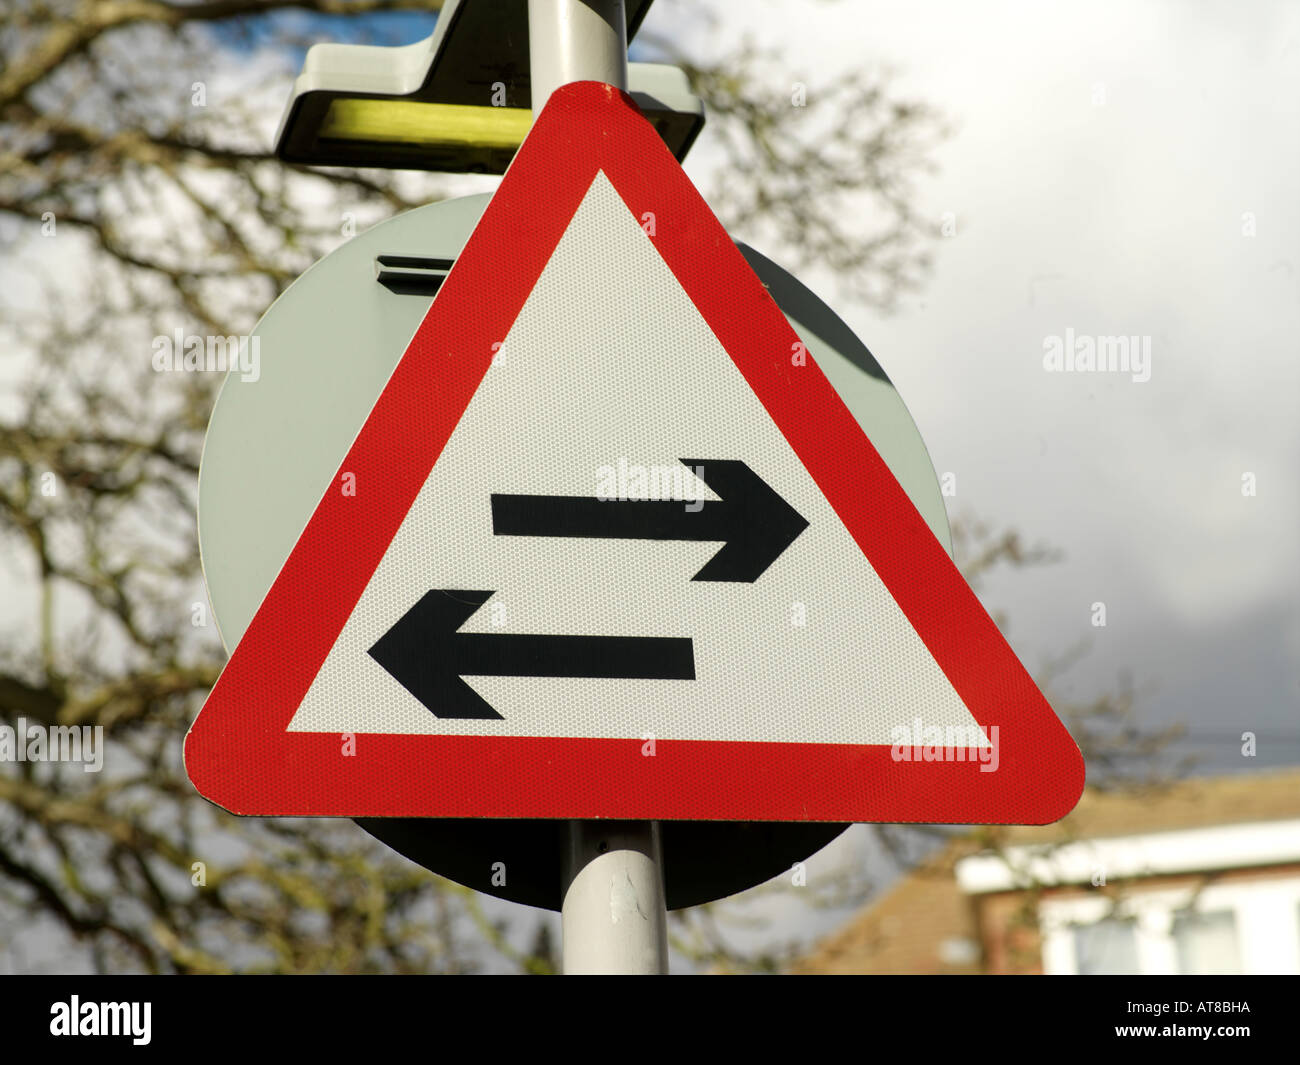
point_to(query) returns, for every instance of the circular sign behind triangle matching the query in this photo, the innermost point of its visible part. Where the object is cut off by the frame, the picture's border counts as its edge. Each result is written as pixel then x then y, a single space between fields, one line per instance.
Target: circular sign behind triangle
pixel 327 347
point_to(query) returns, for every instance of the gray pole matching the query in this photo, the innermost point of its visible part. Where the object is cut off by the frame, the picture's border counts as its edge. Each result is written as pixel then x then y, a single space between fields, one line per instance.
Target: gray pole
pixel 575 40
pixel 614 918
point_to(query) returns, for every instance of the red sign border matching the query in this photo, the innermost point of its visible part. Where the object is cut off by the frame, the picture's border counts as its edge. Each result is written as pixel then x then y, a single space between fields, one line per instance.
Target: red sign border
pixel 239 753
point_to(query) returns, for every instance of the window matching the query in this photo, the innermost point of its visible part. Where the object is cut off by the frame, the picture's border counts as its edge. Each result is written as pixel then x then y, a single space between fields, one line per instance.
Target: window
pixel 1108 946
pixel 1207 942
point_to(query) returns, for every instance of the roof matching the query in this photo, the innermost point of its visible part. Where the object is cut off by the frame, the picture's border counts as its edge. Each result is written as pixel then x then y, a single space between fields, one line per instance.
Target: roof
pixel 926 924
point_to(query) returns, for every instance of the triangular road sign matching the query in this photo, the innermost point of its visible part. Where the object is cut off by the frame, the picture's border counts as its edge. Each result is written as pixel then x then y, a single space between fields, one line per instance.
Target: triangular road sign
pixel 610 545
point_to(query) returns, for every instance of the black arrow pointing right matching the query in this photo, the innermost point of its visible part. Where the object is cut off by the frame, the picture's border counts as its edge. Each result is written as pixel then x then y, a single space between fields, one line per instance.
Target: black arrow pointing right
pixel 754 523
pixel 427 656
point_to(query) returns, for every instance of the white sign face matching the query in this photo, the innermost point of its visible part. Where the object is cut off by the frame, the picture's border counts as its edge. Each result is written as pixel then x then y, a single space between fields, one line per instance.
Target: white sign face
pixel 813 649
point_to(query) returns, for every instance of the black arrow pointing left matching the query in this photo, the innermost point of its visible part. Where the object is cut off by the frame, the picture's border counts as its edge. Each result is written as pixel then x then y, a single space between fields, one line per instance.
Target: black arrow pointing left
pixel 427 656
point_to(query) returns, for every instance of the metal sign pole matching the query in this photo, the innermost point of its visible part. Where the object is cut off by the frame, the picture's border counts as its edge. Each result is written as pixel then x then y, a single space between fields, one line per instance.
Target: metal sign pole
pixel 575 40
pixel 614 917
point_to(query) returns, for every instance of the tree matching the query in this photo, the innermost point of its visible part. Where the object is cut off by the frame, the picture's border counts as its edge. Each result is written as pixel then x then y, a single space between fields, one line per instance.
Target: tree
pixel 138 195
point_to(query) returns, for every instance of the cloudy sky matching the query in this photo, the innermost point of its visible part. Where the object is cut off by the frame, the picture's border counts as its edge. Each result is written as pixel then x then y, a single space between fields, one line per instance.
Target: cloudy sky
pixel 1107 165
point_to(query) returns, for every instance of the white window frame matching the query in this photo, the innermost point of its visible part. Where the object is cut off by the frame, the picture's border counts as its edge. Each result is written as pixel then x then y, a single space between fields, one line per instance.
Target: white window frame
pixel 1266 912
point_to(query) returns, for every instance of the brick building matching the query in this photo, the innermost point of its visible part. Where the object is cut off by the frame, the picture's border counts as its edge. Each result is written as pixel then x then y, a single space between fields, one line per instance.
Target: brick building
pixel 1201 877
